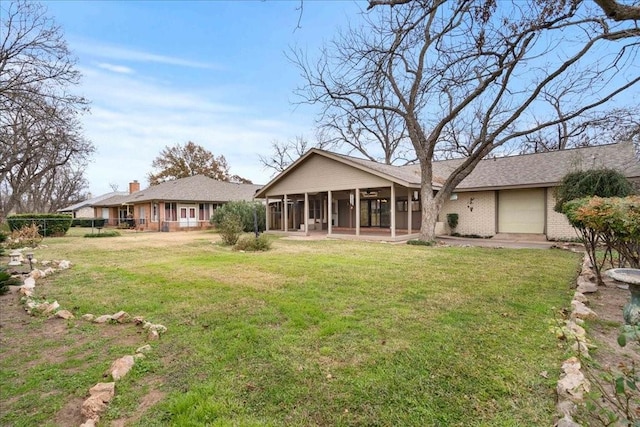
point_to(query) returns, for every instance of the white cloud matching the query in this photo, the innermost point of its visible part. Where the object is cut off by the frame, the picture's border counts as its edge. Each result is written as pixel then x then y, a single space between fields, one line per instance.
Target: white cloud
pixel 132 118
pixel 115 68
pixel 102 50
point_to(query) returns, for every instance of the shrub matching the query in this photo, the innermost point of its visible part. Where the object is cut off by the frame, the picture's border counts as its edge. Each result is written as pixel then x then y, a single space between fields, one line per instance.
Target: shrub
pixel 251 243
pixel 452 220
pixel 614 222
pixel 230 228
pixel 6 280
pixel 48 224
pixel 104 234
pixel 28 235
pixel 88 222
pixel 243 210
pixel 595 182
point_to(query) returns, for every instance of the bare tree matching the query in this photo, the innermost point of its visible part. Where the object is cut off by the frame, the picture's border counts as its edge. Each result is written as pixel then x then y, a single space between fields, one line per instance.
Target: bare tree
pixel 40 135
pixel 612 8
pixel 468 76
pixel 284 153
pixel 594 128
pixel 181 161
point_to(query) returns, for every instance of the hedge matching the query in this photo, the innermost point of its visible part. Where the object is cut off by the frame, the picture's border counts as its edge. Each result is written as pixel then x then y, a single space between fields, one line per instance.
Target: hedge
pixel 48 224
pixel 88 222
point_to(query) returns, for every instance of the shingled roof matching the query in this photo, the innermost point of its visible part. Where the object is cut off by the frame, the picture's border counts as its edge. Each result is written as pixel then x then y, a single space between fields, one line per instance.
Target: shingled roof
pixel 542 169
pixel 527 170
pixel 197 188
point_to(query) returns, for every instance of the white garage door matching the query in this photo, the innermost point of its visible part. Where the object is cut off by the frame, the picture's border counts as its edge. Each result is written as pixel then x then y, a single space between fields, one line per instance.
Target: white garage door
pixel 521 211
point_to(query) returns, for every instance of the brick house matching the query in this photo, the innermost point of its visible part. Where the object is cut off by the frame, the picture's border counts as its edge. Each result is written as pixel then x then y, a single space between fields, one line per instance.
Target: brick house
pixel 180 204
pixel 347 195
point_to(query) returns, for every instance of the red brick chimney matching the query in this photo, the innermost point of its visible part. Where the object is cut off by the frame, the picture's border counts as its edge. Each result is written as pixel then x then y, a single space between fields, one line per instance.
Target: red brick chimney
pixel 134 186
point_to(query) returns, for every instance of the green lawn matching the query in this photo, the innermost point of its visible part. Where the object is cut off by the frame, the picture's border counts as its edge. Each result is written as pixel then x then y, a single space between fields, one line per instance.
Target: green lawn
pixel 309 333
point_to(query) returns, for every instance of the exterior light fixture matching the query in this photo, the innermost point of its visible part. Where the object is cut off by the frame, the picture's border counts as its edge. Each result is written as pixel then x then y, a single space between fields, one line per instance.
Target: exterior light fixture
pixel 30 258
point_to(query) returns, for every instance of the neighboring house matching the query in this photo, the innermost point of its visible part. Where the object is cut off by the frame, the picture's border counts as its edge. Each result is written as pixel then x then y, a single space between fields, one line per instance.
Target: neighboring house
pixel 173 205
pixel 348 195
pixel 85 209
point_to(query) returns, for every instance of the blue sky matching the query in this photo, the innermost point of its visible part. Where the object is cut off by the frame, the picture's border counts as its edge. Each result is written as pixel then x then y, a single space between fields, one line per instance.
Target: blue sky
pixel 160 73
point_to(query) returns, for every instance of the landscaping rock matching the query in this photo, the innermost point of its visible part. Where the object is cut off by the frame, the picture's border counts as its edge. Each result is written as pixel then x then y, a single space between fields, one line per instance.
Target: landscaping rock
pixel 88 317
pixel 138 320
pixel 49 271
pixel 51 308
pixel 153 335
pixel 102 319
pixel 27 292
pixel 579 296
pixel 567 421
pixel 65 314
pixel 585 286
pixel 64 264
pixel 29 282
pixel 88 423
pixel 37 274
pixel 144 349
pixel 581 311
pixel 100 395
pixel 121 317
pixel 121 367
pixel 572 384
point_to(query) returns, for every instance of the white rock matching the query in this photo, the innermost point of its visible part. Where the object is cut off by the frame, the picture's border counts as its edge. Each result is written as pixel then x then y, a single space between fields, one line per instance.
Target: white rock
pixel 579 296
pixel 581 311
pixel 585 286
pixel 89 317
pixel 51 308
pixel 37 274
pixel 121 367
pixel 65 314
pixel 64 264
pixel 29 282
pixel 102 319
pixel 144 349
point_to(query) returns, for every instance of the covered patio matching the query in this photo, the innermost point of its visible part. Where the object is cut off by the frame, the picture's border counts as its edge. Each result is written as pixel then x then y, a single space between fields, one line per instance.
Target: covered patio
pixel 343 197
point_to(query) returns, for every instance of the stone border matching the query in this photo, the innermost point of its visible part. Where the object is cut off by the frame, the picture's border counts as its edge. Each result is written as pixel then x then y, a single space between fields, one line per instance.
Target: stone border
pixel 573 385
pixel 102 393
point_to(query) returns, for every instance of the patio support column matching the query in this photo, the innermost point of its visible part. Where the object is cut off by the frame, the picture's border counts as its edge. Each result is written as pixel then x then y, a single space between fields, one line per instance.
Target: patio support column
pixel 409 211
pixel 285 213
pixel 306 214
pixel 393 210
pixel 329 213
pixel 294 208
pixel 357 212
pixel 266 214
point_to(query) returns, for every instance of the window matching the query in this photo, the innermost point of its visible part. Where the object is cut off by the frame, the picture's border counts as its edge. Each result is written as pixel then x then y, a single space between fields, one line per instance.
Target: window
pixel 401 206
pixel 154 216
pixel 203 212
pixel 170 212
pixel 415 205
pixel 142 215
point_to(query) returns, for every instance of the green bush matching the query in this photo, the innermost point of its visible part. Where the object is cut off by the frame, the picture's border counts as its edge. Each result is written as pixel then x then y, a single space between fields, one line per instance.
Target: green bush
pixel 251 243
pixel 613 222
pixel 6 280
pixel 595 182
pixel 452 220
pixel 243 210
pixel 48 224
pixel 103 234
pixel 230 229
pixel 88 222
